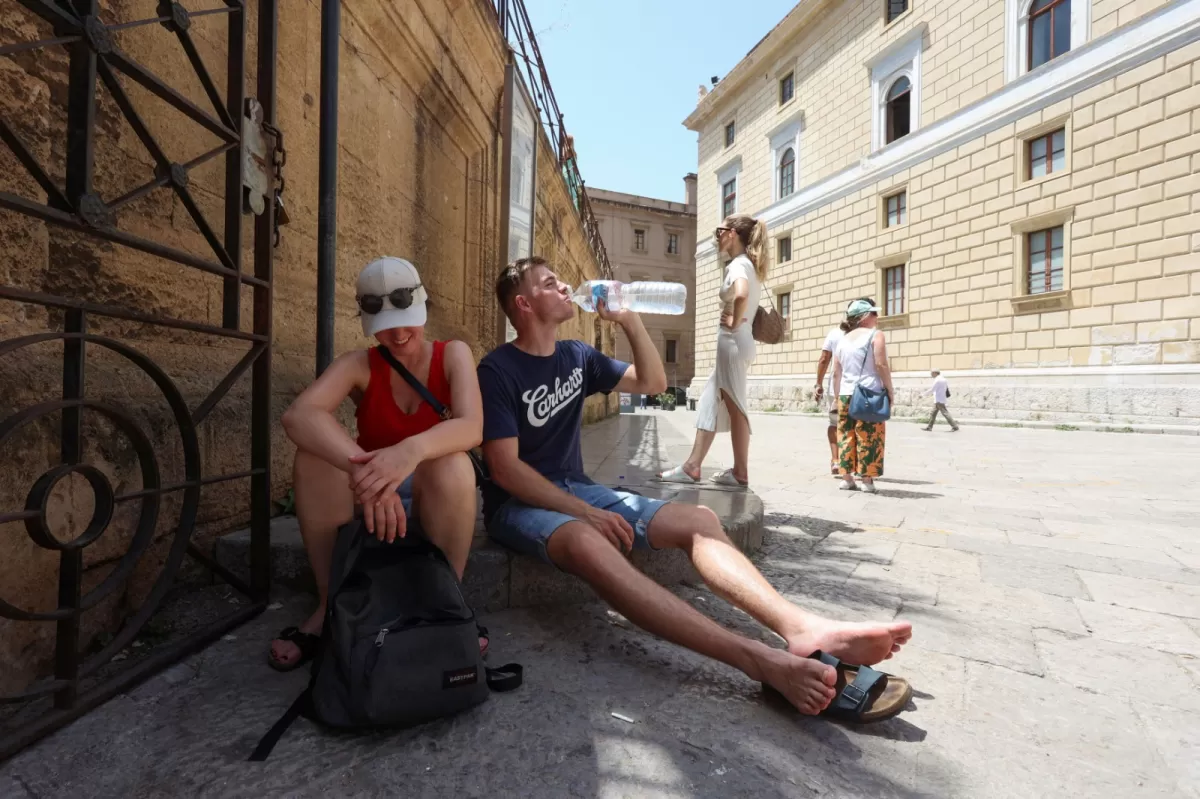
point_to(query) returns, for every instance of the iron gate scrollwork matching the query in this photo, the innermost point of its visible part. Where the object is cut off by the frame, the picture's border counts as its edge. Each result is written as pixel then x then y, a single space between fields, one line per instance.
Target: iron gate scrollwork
pixel 95 59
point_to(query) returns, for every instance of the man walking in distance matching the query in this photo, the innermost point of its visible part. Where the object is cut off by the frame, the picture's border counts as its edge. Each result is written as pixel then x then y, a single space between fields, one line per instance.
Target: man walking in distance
pixel 543 504
pixel 826 397
pixel 941 393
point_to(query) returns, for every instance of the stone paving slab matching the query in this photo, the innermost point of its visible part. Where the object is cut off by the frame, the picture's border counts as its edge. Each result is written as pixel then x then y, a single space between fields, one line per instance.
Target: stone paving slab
pixel 1050 577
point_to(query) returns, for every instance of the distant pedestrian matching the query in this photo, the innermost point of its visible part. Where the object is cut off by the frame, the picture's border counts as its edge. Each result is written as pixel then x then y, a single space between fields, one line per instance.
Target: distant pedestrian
pixel 861 359
pixel 941 392
pixel 825 393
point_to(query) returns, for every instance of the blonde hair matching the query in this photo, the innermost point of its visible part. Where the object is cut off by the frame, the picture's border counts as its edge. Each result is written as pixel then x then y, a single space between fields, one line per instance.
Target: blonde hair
pixel 753 235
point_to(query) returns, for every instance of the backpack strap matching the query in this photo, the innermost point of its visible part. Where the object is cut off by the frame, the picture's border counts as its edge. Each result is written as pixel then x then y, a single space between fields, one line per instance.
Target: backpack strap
pixel 506 678
pixel 267 743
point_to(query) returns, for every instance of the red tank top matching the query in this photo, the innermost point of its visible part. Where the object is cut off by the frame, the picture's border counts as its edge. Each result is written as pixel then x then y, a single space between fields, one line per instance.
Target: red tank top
pixel 381 423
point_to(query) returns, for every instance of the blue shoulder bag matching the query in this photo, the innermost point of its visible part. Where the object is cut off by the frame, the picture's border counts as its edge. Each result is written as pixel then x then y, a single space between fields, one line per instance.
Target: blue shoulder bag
pixel 867 405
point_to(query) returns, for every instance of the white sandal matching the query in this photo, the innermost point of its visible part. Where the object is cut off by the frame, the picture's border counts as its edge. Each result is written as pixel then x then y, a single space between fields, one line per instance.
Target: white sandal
pixel 726 478
pixel 677 475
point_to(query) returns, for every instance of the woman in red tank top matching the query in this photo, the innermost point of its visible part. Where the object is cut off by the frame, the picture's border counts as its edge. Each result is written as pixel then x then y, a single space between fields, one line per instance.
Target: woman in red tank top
pixel 405 460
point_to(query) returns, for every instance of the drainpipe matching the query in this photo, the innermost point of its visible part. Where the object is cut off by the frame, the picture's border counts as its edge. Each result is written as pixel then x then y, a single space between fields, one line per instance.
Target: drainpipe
pixel 331 12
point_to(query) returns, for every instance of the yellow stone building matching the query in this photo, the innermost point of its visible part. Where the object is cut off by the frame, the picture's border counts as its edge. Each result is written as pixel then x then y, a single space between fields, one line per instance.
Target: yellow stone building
pixel 1016 183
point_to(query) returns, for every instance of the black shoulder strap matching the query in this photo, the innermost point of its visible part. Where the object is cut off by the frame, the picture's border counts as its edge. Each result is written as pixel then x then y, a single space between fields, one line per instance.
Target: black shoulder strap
pixel 267 743
pixel 417 386
pixel 506 678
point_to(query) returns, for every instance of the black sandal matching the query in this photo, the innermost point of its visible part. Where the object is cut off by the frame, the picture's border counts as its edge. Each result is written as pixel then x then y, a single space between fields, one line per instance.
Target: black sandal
pixel 307 643
pixel 864 695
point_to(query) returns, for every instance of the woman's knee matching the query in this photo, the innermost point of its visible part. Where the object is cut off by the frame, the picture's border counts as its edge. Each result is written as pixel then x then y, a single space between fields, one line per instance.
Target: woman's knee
pixel 451 472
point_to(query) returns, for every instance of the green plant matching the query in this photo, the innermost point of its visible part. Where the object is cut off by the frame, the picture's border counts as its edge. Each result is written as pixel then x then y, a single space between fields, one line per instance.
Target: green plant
pixel 772 409
pixel 1065 427
pixel 287 505
pixel 1010 424
pixel 666 400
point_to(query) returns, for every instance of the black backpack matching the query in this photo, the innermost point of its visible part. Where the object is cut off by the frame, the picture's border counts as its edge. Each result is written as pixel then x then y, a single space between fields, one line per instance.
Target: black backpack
pixel 400 645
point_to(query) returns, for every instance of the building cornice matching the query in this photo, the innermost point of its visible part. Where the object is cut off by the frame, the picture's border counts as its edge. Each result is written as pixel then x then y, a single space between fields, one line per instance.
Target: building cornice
pixel 781 35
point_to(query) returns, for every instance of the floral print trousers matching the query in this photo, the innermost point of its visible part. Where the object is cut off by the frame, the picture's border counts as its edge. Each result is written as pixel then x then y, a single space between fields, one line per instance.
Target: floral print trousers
pixel 860 444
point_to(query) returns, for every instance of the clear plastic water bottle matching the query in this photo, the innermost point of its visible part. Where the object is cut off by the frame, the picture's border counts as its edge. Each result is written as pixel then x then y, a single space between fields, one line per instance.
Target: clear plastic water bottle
pixel 641 297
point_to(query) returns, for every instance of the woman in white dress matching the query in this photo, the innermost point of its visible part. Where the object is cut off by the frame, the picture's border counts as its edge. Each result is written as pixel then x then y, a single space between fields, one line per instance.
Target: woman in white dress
pixel 723 404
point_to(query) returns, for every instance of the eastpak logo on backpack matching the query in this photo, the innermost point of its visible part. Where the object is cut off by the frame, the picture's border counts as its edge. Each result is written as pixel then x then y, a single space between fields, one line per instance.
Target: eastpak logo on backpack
pixel 459 678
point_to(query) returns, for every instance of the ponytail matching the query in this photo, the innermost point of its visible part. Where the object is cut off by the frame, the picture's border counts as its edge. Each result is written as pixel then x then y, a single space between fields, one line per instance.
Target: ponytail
pixel 753 235
pixel 756 249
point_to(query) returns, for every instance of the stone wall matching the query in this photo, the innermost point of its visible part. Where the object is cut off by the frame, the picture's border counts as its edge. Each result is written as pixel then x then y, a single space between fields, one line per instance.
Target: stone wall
pixel 1120 343
pixel 420 93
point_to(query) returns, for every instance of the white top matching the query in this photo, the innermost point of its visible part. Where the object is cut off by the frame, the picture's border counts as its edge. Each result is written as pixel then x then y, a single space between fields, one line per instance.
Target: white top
pixel 940 389
pixel 740 267
pixel 832 339
pixel 858 362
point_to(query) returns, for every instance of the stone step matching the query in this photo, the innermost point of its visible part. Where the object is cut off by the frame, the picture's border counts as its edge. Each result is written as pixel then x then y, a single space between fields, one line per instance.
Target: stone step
pixel 497 578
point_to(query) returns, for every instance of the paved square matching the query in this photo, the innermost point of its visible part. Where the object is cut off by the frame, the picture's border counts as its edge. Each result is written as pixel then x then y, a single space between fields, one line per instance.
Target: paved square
pixel 1052 578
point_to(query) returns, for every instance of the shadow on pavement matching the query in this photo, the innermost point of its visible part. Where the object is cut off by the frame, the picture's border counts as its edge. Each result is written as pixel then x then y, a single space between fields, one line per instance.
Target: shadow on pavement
pixel 898 494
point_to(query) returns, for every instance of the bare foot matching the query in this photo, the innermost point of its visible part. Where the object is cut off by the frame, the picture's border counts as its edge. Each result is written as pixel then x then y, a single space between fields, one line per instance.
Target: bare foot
pixel 863 644
pixel 807 684
pixel 285 652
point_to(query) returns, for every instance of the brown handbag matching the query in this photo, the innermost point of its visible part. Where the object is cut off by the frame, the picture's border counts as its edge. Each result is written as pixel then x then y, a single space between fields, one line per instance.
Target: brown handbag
pixel 768 326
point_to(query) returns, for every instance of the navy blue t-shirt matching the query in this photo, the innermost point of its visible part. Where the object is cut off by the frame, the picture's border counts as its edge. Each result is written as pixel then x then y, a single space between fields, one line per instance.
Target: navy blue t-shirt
pixel 539 401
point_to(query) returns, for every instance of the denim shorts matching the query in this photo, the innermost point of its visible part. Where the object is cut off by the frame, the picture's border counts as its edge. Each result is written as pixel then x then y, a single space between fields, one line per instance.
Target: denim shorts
pixel 527 529
pixel 406 494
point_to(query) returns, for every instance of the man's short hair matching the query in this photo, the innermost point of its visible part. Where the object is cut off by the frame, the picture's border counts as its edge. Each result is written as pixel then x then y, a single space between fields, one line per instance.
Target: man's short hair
pixel 509 282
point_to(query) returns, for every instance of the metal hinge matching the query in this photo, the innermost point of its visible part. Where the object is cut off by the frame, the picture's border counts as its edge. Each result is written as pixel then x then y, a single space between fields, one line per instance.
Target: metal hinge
pixel 262 165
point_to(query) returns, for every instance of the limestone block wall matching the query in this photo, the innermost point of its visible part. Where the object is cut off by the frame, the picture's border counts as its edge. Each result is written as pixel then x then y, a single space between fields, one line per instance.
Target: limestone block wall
pixel 420 96
pixel 1121 344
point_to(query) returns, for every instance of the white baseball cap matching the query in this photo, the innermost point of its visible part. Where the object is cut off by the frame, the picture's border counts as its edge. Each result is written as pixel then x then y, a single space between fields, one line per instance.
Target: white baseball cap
pixel 380 280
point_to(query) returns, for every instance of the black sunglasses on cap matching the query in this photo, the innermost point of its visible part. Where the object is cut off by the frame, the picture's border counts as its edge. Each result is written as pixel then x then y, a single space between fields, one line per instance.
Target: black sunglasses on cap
pixel 399 298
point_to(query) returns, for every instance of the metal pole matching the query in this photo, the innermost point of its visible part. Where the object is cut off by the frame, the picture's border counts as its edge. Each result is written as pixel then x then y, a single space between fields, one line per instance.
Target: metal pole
pixel 331 11
pixel 264 254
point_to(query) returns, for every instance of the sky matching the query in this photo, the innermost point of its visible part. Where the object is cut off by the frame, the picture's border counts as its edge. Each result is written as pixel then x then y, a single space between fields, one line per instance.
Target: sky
pixel 625 73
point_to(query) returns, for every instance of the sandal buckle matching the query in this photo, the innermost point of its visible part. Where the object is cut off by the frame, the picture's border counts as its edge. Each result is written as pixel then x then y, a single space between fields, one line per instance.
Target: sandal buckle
pixel 854 694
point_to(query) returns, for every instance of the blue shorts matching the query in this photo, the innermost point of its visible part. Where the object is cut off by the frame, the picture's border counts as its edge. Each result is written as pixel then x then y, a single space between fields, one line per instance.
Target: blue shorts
pixel 527 529
pixel 406 495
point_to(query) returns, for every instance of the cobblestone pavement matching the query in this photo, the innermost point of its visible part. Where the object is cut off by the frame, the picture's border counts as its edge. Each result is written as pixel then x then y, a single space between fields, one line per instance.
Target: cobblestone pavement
pixel 1053 578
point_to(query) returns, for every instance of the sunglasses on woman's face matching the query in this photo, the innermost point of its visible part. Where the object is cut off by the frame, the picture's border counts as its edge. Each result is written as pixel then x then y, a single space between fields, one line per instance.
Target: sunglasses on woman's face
pixel 719 231
pixel 399 298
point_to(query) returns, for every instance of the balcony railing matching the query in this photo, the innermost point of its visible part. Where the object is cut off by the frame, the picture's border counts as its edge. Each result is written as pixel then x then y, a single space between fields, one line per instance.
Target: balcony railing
pixel 518 32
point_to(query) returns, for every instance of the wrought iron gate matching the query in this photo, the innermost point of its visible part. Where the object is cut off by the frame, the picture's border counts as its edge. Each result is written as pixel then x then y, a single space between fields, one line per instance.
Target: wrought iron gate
pixel 80 680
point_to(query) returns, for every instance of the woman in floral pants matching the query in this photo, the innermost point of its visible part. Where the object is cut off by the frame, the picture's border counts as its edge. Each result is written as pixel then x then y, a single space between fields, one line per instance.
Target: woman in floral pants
pixel 860 359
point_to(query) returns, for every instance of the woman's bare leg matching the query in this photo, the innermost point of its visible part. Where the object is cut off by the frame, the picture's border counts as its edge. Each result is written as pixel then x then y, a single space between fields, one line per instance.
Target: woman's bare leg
pixel 444 499
pixel 324 502
pixel 700 447
pixel 739 431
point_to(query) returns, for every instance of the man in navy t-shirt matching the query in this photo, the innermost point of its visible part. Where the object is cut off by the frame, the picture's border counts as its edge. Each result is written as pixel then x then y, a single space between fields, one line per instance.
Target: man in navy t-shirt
pixel 542 503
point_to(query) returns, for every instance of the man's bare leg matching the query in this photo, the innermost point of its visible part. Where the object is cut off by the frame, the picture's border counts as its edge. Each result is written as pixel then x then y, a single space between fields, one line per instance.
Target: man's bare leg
pixel 697 531
pixel 581 550
pixel 324 502
pixel 831 435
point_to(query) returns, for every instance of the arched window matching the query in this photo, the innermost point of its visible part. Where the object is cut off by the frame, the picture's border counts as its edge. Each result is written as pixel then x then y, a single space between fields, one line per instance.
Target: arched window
pixel 1049 30
pixel 899 110
pixel 787 173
